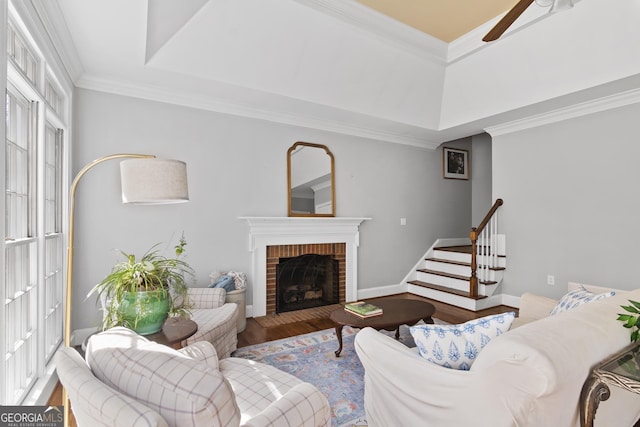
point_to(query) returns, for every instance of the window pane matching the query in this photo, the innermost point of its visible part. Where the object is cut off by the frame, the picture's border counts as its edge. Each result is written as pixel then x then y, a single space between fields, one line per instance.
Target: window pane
pixel 54 282
pixel 18 169
pixel 20 319
pixel 52 185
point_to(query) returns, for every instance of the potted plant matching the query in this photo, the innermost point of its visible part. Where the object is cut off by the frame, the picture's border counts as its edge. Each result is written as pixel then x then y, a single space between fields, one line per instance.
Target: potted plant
pixel 632 321
pixel 140 293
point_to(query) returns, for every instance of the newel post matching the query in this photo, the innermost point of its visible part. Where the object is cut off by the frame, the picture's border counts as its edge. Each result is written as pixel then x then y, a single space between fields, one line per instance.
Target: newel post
pixel 473 281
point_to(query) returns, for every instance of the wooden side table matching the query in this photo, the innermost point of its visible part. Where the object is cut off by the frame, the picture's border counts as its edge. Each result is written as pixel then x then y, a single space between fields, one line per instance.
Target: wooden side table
pixel 621 370
pixel 174 331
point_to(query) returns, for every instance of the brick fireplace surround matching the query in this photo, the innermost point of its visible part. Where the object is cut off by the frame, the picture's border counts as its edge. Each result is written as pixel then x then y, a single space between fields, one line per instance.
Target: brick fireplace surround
pixel 301 234
pixel 337 251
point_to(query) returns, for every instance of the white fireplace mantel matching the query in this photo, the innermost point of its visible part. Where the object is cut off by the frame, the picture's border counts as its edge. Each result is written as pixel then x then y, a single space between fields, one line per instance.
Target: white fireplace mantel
pixel 272 231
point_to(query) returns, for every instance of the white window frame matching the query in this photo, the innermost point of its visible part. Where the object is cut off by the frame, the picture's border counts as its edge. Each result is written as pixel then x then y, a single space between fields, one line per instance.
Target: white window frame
pixel 51 89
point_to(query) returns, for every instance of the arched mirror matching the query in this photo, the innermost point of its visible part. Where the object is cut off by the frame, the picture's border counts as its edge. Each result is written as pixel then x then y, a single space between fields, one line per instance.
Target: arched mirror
pixel 310 180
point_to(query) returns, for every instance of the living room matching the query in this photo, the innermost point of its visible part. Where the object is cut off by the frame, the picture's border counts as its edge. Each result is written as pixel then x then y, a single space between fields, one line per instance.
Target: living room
pixel 557 100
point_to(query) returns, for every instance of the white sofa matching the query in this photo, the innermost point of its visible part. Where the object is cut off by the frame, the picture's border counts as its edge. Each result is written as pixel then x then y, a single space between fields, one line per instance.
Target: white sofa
pixel 531 375
pixel 131 381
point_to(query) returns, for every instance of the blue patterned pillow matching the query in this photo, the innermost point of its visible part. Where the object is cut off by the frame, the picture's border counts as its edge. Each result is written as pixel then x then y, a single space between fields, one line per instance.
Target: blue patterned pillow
pixel 457 346
pixel 225 282
pixel 576 298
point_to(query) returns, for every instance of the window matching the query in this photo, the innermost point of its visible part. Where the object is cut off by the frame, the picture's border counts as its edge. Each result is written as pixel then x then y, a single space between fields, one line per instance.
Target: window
pixel 20 251
pixel 32 310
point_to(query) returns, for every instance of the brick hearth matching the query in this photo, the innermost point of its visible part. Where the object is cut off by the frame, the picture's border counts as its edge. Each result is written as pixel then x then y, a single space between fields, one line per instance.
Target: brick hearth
pixel 336 250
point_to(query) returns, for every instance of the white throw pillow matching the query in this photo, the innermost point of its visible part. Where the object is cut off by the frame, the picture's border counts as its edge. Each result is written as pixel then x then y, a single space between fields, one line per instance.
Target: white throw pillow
pixel 578 297
pixel 457 346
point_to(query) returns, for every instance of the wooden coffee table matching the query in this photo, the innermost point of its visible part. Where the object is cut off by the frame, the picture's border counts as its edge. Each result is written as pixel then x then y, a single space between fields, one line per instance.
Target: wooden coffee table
pixel 396 312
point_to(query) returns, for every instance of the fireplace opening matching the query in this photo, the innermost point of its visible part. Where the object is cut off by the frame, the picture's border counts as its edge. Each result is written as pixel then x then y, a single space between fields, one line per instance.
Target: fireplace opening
pixel 306 281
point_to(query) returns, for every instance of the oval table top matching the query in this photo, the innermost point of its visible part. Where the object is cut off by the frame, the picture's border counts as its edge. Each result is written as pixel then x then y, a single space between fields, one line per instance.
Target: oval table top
pixel 395 312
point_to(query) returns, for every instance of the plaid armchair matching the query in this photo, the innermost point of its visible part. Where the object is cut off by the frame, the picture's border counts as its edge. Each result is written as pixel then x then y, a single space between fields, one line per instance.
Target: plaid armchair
pixel 128 380
pixel 216 319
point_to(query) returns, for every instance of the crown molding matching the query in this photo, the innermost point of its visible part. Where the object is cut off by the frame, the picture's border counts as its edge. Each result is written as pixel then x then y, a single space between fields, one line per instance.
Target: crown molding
pixel 293 118
pixel 55 26
pixel 578 110
pixel 385 29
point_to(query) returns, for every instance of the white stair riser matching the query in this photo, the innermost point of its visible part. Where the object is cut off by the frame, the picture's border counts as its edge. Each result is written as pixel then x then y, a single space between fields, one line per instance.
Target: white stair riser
pixel 449 282
pixel 461 270
pixel 487 276
pixel 458 301
pixel 487 290
pixel 499 261
pixel 460 257
pixel 452 256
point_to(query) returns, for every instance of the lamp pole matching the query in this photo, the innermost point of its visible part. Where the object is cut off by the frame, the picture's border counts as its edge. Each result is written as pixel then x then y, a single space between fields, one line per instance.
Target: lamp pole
pixel 69 287
pixel 72 195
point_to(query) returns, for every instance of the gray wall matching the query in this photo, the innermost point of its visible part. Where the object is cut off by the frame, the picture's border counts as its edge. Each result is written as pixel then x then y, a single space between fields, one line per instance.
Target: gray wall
pixel 237 167
pixel 571 202
pixel 481 200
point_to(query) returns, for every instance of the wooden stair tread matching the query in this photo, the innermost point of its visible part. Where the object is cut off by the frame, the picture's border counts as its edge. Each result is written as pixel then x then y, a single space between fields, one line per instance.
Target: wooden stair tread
pixel 445 289
pixel 455 276
pixel 465 249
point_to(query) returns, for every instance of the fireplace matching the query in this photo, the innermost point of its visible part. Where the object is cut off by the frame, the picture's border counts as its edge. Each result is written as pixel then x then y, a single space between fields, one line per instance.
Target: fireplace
pixel 306 281
pixel 305 276
pixel 295 236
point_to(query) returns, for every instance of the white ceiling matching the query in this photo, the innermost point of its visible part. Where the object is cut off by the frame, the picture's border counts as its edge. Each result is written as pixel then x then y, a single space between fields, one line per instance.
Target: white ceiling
pixel 328 64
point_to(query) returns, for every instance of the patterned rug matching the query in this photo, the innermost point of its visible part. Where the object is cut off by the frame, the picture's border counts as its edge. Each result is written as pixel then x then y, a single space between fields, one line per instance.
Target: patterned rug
pixel 311 358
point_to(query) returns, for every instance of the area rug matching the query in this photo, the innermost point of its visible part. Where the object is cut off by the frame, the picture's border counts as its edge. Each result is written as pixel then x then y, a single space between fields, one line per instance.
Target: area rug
pixel 311 358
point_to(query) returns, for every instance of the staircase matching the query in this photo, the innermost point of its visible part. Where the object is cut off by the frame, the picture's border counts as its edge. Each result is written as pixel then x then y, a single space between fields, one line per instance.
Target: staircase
pixel 462 274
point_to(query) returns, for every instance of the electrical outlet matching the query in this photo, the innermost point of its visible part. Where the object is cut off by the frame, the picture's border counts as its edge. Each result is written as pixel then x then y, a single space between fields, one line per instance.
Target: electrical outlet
pixel 403 221
pixel 551 280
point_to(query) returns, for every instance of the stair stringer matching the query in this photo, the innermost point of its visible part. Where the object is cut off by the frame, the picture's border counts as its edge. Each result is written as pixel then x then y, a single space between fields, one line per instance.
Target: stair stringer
pixel 413 274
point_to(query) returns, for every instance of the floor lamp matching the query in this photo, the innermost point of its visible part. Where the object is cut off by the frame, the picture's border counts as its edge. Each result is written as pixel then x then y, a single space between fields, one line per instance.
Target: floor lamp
pixel 145 179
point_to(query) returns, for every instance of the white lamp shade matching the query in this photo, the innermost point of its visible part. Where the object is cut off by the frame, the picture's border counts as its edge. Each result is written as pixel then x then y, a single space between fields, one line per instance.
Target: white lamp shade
pixel 154 181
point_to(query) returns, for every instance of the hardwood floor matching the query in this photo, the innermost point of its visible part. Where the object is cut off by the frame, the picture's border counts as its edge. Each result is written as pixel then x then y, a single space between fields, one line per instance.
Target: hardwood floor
pixel 256 334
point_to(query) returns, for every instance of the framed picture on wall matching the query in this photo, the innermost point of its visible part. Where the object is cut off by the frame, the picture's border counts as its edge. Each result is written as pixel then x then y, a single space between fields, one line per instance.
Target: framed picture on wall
pixel 455 163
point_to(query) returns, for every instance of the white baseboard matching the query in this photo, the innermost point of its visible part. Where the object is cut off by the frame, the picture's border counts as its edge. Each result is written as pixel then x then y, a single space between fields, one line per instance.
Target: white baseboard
pixel 249 312
pixel 510 300
pixel 381 291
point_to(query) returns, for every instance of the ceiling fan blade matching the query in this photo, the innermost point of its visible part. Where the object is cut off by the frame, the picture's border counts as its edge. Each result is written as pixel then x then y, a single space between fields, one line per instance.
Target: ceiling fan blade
pixel 507 20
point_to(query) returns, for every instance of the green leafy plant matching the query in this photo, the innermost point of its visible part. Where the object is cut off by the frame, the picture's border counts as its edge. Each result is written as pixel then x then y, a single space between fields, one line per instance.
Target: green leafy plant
pixel 166 277
pixel 631 320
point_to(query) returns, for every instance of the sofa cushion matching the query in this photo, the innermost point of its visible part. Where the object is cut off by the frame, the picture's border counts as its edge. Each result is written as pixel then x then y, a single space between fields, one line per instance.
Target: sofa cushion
pixel 185 392
pixel 576 298
pixel 457 346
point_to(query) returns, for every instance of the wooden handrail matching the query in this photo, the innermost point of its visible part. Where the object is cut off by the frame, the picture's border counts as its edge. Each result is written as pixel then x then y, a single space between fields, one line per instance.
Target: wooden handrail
pixel 473 235
pixel 487 217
